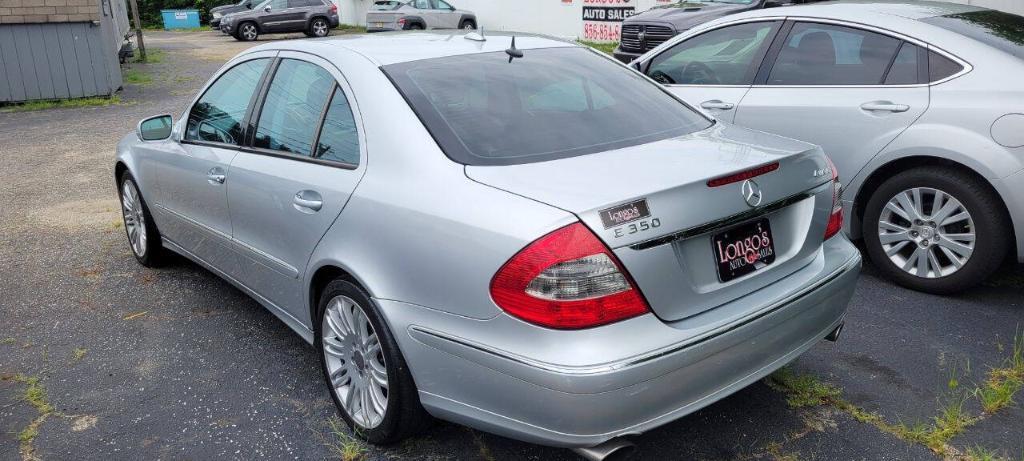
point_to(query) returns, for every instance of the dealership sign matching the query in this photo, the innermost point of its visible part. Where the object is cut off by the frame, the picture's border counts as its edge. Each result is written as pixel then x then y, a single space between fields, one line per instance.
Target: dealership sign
pixel 602 19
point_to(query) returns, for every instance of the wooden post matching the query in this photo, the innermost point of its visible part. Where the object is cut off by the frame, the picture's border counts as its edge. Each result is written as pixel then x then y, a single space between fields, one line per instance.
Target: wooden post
pixel 138 29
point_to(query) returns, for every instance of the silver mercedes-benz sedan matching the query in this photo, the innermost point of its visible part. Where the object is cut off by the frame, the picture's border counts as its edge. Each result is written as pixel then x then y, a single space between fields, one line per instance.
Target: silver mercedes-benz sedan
pixel 517 234
pixel 919 104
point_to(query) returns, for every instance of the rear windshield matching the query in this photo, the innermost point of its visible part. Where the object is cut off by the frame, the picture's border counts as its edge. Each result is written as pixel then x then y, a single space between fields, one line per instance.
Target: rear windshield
pixel 551 103
pixel 1001 30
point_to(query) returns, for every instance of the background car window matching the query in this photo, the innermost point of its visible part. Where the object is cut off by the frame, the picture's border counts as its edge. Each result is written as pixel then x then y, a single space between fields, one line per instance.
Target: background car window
pixel 552 103
pixel 421 4
pixel 339 139
pixel 721 57
pixel 217 116
pixel 940 67
pixel 820 54
pixel 278 4
pixel 442 5
pixel 292 109
pixel 904 68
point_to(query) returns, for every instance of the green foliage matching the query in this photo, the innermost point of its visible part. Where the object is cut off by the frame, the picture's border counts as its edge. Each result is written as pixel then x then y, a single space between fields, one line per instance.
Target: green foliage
pixel 149 10
pixel 606 48
pixel 62 103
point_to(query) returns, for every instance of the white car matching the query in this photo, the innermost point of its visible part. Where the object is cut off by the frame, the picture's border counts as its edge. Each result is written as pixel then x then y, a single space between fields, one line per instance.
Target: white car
pixel 417 15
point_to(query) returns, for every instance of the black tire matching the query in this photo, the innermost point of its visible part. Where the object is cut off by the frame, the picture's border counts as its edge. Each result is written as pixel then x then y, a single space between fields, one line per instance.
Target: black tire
pixel 404 416
pixel 415 26
pixel 311 30
pixel 240 32
pixel 468 24
pixel 152 252
pixel 991 227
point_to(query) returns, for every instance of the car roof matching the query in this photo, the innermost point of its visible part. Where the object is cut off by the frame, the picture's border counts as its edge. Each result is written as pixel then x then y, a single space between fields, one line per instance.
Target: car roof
pixel 878 12
pixel 397 47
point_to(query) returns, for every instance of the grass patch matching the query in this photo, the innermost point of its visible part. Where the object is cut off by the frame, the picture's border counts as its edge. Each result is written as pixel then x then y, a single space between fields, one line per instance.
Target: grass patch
pixel 803 390
pixel 350 29
pixel 35 394
pixel 345 446
pixel 137 77
pixel 7 341
pixel 78 354
pixel 153 56
pixel 97 101
pixel 977 453
pixel 28 434
pixel 1004 382
pixel 606 48
pixel 774 450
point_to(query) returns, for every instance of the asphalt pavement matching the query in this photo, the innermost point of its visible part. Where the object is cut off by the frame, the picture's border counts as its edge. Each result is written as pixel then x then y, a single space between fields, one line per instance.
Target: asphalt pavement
pixel 101 358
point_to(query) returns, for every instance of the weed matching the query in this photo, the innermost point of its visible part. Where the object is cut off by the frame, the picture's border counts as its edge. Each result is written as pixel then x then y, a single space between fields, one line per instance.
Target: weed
pixel 63 104
pixel 346 446
pixel 1003 383
pixel 137 77
pixel 153 56
pixel 7 341
pixel 350 29
pixel 977 453
pixel 804 390
pixel 35 394
pixel 606 48
pixel 28 434
pixel 78 354
pixel 774 450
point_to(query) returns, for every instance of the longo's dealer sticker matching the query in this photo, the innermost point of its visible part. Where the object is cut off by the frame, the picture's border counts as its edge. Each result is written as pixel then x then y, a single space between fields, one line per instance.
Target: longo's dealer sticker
pixel 625 213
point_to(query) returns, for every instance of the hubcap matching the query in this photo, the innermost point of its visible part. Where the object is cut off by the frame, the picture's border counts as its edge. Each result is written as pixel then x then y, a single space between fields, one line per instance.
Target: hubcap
pixel 468 26
pixel 320 28
pixel 355 362
pixel 926 232
pixel 134 218
pixel 249 31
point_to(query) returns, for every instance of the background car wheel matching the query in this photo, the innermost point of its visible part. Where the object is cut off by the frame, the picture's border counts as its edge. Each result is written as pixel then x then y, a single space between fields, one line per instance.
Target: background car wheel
pixel 368 377
pixel 143 236
pixel 415 26
pixel 468 25
pixel 319 28
pixel 247 32
pixel 936 229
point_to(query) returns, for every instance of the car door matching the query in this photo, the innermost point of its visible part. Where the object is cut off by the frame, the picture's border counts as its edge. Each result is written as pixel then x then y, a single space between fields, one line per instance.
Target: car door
pixel 191 177
pixel 425 10
pixel 714 70
pixel 303 160
pixel 846 88
pixel 276 16
pixel 446 16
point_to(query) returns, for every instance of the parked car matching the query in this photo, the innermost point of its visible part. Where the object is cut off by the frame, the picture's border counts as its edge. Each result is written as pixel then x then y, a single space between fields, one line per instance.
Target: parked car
pixel 918 103
pixel 418 15
pixel 648 29
pixel 564 290
pixel 315 18
pixel 216 13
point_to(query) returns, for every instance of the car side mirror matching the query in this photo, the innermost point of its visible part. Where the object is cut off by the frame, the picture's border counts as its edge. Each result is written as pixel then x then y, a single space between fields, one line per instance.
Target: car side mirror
pixel 155 128
pixel 772 4
pixel 451 8
pixel 266 8
pixel 248 6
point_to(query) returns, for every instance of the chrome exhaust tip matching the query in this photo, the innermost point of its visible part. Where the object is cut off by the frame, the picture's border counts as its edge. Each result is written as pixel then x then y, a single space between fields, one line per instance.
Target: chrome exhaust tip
pixel 612 450
pixel 834 335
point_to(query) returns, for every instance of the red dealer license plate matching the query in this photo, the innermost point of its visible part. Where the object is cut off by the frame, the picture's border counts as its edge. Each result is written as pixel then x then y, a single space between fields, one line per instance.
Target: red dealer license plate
pixel 743 249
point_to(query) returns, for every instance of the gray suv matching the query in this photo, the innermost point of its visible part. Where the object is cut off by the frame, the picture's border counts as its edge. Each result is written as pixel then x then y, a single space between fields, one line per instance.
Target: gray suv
pixel 644 31
pixel 418 15
pixel 315 18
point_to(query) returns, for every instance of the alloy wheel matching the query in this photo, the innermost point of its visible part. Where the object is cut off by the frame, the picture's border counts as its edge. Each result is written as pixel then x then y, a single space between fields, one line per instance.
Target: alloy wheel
pixel 249 31
pixel 134 218
pixel 320 28
pixel 926 232
pixel 468 26
pixel 355 362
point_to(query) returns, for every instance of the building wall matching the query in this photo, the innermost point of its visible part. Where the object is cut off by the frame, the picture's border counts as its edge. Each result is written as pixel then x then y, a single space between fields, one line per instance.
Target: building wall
pixel 48 11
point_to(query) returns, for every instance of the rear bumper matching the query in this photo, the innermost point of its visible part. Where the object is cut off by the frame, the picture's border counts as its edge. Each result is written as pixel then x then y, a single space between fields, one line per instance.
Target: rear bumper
pixel 518 394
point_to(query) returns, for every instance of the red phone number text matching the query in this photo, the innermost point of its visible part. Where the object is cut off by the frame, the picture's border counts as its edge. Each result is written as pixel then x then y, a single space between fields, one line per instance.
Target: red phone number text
pixel 601 31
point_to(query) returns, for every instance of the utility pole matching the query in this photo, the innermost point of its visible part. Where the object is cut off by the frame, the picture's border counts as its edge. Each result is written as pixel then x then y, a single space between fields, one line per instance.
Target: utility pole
pixel 138 29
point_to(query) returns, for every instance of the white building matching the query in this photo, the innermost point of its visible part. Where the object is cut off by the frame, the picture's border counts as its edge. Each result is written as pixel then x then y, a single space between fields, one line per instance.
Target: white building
pixel 595 20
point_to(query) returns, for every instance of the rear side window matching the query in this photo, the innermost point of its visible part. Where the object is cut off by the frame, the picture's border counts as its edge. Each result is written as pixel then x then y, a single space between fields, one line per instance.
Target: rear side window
pixel 217 115
pixel 293 107
pixel 339 139
pixel 822 54
pixel 552 103
pixel 1001 30
pixel 904 67
pixel 940 67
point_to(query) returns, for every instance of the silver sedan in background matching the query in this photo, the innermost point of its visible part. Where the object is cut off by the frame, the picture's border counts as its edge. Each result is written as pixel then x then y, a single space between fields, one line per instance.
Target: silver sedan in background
pixel 483 230
pixel 919 104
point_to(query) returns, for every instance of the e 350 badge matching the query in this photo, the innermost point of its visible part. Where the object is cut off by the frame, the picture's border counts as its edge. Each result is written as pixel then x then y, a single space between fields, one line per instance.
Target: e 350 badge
pixel 629 218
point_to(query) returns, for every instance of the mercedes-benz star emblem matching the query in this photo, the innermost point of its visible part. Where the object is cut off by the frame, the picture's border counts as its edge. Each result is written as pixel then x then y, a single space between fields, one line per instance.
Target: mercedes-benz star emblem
pixel 751 193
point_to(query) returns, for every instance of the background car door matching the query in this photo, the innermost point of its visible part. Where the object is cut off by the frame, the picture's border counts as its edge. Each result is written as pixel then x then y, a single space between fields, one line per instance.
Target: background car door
pixel 715 69
pixel 849 90
pixel 425 10
pixel 289 187
pixel 278 18
pixel 446 15
pixel 192 178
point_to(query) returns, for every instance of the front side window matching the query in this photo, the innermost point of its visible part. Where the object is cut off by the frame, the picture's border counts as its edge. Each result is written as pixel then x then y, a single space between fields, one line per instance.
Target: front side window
pixel 292 108
pixel 822 54
pixel 421 4
pixel 726 56
pixel 217 116
pixel 551 103
pixel 442 5
pixel 339 138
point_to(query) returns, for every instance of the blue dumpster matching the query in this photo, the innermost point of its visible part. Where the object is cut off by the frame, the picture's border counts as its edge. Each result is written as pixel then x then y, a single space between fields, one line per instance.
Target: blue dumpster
pixel 180 19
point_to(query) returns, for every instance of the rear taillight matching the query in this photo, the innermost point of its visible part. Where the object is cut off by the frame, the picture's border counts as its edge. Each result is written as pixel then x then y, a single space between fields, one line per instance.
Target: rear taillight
pixel 835 219
pixel 567 279
pixel 401 22
pixel 334 8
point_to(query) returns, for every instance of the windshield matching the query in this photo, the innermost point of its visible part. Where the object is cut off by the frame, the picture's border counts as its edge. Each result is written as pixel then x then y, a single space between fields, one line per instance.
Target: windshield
pixel 387 5
pixel 551 103
pixel 1001 30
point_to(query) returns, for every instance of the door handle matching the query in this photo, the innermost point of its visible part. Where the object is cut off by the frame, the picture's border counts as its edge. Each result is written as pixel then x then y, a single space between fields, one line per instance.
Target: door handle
pixel 216 176
pixel 307 201
pixel 716 104
pixel 884 106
